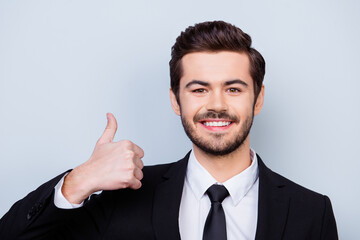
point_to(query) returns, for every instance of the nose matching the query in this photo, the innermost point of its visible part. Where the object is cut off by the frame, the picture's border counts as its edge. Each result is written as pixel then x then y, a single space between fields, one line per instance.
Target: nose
pixel 216 102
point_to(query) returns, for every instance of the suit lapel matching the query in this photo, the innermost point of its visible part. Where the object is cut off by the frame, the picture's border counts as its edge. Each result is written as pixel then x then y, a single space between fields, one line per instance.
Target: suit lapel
pixel 273 205
pixel 167 201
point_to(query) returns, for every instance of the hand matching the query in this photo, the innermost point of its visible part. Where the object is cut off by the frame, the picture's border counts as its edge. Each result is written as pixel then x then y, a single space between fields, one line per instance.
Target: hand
pixel 112 165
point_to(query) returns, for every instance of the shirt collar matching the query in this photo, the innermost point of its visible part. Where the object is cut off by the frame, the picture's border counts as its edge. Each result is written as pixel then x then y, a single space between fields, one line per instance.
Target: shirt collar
pixel 199 179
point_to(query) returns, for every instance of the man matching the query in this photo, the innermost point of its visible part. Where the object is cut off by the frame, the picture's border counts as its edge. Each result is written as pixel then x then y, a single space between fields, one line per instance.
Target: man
pixel 219 190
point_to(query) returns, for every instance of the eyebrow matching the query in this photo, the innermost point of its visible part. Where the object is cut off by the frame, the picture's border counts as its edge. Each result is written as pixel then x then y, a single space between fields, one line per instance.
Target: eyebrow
pixel 206 84
pixel 239 81
pixel 197 82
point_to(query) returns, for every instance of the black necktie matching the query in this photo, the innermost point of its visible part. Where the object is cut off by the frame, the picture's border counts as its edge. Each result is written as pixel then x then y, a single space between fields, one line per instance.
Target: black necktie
pixel 215 226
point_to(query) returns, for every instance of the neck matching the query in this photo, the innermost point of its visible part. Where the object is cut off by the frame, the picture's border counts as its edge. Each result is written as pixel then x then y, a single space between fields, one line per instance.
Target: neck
pixel 225 167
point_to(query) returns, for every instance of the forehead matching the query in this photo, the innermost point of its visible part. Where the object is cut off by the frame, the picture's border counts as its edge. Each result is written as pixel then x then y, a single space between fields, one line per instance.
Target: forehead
pixel 215 67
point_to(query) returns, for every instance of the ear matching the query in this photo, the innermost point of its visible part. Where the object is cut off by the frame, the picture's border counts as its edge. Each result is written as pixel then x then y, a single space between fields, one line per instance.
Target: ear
pixel 259 101
pixel 174 103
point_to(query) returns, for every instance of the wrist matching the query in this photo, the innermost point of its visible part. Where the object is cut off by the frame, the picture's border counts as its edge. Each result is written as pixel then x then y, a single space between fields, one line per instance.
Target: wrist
pixel 75 188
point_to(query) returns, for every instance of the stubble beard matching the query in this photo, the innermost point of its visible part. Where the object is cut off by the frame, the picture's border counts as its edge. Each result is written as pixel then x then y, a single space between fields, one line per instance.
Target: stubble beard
pixel 215 145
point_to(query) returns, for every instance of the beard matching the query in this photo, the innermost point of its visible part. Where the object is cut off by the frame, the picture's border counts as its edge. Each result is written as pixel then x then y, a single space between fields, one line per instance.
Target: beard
pixel 217 145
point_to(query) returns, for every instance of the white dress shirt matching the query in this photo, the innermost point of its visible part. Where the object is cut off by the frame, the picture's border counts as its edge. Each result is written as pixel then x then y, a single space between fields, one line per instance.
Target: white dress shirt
pixel 60 201
pixel 240 206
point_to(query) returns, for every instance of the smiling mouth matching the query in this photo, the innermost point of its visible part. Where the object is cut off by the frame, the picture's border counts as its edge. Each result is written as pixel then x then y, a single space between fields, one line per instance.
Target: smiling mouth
pixel 216 123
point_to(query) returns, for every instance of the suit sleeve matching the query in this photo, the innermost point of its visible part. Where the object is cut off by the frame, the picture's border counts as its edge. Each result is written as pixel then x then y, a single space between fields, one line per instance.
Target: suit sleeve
pixel 36 217
pixel 329 229
pixel 24 215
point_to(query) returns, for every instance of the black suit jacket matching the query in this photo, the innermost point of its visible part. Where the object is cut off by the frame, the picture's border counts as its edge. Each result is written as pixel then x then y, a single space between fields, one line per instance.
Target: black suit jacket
pixel 285 211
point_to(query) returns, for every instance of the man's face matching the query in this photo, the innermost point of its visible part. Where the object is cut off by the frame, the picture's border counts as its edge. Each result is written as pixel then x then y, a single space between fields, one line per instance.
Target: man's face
pixel 217 104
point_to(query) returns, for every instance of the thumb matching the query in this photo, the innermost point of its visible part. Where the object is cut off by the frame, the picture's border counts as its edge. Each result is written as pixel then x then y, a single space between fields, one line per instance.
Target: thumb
pixel 110 130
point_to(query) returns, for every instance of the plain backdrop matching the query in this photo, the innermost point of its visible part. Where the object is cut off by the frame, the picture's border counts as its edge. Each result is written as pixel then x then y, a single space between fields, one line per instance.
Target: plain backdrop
pixel 64 64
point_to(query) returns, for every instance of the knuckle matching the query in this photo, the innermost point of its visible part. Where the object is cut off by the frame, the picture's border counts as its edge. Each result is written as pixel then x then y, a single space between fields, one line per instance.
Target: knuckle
pixel 141 163
pixel 126 143
pixel 138 174
pixel 129 167
pixel 128 178
pixel 136 185
pixel 142 152
pixel 141 175
pixel 124 185
pixel 130 154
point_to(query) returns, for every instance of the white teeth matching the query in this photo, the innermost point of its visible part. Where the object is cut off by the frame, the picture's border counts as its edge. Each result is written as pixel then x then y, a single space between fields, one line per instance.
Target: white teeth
pixel 216 124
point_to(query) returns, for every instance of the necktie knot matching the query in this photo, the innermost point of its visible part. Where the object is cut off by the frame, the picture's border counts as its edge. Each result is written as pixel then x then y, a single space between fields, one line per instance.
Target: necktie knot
pixel 217 193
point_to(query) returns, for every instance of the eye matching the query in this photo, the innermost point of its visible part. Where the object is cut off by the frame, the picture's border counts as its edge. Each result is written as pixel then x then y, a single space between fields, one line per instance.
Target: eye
pixel 199 90
pixel 233 90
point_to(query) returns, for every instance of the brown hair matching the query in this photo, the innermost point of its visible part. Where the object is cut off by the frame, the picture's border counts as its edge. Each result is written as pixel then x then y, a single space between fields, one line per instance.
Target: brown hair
pixel 212 37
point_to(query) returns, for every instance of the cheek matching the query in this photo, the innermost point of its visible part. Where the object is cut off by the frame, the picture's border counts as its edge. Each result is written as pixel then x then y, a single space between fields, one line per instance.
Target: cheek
pixel 190 108
pixel 243 107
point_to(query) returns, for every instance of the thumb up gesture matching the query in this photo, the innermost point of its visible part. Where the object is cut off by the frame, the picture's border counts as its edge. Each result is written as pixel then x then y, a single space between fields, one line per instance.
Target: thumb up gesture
pixel 112 165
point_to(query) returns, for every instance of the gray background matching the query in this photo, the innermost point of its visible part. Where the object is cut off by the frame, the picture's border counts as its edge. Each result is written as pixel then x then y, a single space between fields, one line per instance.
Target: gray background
pixel 64 64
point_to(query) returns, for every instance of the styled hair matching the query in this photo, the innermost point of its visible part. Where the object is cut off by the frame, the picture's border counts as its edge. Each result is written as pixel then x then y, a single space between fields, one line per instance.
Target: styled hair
pixel 213 37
